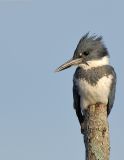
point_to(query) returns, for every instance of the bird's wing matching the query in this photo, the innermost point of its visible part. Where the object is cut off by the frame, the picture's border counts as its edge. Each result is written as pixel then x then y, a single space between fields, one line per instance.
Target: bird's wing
pixel 112 92
pixel 76 103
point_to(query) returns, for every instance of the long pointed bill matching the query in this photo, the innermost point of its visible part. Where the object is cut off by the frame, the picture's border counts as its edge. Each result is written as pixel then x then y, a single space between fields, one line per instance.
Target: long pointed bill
pixel 69 64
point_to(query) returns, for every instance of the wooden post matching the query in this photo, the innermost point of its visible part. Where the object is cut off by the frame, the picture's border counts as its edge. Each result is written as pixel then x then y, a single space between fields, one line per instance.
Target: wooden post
pixel 96 133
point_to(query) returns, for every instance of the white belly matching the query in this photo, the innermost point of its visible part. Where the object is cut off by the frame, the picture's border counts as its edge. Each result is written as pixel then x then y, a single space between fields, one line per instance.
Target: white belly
pixel 93 94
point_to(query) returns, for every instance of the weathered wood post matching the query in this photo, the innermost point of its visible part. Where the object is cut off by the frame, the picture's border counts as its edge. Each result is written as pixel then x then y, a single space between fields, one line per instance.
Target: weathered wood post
pixel 96 133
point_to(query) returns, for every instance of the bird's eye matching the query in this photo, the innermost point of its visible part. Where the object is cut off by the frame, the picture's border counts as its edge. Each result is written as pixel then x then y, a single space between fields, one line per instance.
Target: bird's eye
pixel 86 53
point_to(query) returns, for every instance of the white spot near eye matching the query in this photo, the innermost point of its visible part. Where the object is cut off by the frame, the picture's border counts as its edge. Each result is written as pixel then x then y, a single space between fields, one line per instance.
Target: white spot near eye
pixel 80 54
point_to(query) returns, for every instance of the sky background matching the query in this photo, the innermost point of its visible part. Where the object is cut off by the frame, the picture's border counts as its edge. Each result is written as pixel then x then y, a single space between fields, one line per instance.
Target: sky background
pixel 37 120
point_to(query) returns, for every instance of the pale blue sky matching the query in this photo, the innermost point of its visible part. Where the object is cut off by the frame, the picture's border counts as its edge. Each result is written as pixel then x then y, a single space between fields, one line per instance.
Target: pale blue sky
pixel 37 120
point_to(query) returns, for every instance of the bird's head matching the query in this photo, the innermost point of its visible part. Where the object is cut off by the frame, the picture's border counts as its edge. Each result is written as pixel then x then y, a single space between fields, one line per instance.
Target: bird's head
pixel 90 52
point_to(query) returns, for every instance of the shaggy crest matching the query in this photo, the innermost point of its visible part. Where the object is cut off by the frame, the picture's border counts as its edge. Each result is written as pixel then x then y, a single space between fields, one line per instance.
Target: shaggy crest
pixel 91 43
pixel 93 37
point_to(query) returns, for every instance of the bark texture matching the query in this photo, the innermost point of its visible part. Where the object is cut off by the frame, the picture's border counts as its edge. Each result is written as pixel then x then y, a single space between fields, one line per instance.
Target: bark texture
pixel 96 133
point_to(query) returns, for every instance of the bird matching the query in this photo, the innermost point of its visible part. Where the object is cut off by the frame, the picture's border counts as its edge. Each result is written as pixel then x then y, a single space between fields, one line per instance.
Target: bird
pixel 94 80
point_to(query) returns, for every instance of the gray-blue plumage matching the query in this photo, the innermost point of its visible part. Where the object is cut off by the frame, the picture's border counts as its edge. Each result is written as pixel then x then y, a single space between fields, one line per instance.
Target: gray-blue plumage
pixel 111 97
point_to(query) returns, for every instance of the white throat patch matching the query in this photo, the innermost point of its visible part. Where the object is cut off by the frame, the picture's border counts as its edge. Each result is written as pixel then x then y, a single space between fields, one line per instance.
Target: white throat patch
pixel 95 63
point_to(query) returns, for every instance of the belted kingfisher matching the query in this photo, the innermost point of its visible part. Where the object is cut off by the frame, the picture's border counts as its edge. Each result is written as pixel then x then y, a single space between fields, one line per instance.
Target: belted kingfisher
pixel 94 80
